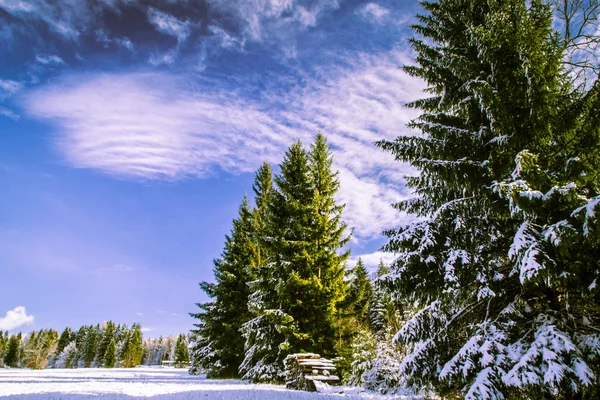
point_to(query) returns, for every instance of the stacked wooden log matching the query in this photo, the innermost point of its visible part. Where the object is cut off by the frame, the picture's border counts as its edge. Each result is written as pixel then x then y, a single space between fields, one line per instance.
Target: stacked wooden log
pixel 302 370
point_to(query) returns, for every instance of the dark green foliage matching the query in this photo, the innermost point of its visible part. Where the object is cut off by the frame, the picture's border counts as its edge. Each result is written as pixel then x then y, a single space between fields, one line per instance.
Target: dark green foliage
pixel 64 340
pixel 103 342
pixel 11 355
pixel 110 356
pixel 182 355
pixel 131 352
pixel 502 265
pixel 359 293
pixel 219 349
pixel 301 281
pixel 89 352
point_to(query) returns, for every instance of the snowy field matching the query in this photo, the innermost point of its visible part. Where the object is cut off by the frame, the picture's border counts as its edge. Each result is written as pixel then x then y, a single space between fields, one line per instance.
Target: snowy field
pixel 136 383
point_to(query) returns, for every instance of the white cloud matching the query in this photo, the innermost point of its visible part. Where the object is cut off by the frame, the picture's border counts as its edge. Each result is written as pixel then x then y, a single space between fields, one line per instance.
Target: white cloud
pixel 9 113
pixel 140 314
pixel 148 329
pixel 125 42
pixel 166 23
pixel 152 126
pixel 371 260
pixel 8 88
pixel 374 12
pixel 48 59
pixel 15 319
pixel 273 19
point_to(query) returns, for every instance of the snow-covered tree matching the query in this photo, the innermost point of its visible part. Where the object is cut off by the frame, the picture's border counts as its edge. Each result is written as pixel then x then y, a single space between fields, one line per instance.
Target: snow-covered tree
pixel 501 267
pixel 219 349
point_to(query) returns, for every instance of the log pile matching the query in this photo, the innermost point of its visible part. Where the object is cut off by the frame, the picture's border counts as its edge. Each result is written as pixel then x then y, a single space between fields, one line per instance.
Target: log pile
pixel 302 370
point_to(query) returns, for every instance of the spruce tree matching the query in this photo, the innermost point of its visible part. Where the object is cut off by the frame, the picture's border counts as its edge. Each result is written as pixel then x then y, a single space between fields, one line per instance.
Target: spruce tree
pixel 90 344
pixel 501 267
pixel 11 356
pixel 107 336
pixel 296 292
pixel 219 349
pixel 3 344
pixel 182 355
pixel 132 351
pixel 63 340
pixel 359 293
pixel 110 356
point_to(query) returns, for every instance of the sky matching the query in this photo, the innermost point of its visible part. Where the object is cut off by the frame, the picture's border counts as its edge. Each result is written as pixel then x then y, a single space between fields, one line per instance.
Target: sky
pixel 130 131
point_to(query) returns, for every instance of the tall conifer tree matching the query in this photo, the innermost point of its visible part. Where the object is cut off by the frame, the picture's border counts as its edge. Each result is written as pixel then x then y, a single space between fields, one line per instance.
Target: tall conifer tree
pixel 219 349
pixel 496 267
pixel 295 295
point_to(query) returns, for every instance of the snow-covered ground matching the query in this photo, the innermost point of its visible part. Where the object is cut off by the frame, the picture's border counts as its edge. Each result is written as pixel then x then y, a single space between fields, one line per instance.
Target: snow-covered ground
pixel 154 383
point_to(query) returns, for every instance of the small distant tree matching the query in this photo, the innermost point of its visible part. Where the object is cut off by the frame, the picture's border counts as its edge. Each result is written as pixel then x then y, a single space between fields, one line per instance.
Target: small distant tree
pixel 107 335
pixel 132 355
pixel 11 357
pixel 182 355
pixel 110 357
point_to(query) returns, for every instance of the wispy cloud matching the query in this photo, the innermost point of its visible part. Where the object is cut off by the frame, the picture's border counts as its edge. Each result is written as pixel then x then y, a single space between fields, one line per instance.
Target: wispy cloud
pixel 168 24
pixel 49 59
pixel 114 269
pixel 148 329
pixel 152 126
pixel 8 88
pixel 272 19
pixel 9 113
pixel 15 318
pixel 374 12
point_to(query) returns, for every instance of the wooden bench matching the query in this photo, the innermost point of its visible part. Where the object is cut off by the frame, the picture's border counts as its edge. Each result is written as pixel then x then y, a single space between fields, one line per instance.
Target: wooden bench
pixel 302 370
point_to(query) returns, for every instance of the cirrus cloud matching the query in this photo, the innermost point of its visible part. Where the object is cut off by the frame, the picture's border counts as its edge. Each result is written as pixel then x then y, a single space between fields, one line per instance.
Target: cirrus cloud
pixel 153 126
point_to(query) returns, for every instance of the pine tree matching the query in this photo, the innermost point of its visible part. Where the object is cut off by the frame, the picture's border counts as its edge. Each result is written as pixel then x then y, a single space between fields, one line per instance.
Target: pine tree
pixel 3 345
pixel 501 267
pixel 63 340
pixel 89 352
pixel 107 336
pixel 132 347
pixel 220 347
pixel 296 292
pixel 11 356
pixel 110 357
pixel 182 355
pixel 359 293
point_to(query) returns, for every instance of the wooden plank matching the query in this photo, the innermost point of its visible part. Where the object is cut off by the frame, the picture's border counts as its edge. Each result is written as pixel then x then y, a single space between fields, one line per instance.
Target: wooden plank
pixel 321 378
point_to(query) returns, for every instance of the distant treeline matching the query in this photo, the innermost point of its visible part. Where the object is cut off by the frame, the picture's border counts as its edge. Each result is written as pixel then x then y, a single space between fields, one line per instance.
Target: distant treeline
pixel 91 346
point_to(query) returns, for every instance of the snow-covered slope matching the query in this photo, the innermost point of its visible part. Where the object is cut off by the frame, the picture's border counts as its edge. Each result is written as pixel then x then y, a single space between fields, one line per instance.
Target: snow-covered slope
pixel 131 384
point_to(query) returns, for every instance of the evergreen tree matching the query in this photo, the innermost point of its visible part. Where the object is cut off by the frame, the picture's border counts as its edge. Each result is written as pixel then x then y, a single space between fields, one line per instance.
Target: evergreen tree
pixel 359 293
pixel 3 345
pixel 11 356
pixel 107 336
pixel 501 267
pixel 219 349
pixel 110 356
pixel 132 350
pixel 63 340
pixel 89 352
pixel 182 355
pixel 295 295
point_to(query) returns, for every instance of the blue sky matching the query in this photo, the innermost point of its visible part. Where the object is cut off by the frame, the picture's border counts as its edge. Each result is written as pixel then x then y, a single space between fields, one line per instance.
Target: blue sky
pixel 130 131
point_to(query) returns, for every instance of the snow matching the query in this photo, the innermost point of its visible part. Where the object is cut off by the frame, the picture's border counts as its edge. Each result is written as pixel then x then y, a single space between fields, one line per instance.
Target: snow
pixel 135 383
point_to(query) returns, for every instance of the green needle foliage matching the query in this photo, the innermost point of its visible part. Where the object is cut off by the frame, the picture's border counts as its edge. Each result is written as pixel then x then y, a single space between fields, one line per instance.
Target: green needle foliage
pixel 219 350
pixel 502 265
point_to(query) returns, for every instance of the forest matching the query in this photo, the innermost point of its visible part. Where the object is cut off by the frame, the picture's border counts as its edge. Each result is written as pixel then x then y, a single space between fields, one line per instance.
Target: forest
pixel 106 345
pixel 493 292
